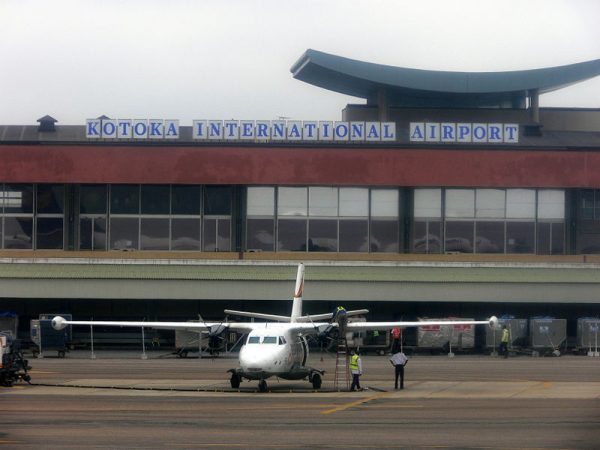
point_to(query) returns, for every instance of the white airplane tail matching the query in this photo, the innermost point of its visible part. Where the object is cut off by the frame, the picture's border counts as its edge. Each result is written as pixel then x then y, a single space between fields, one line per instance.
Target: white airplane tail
pixel 297 305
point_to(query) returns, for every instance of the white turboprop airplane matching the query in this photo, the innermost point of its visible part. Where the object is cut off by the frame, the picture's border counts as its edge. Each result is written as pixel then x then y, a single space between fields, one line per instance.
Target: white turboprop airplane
pixel 278 348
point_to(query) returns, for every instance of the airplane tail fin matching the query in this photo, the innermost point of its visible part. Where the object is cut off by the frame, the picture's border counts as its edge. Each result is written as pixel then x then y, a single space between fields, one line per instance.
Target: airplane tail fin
pixel 297 305
pixel 255 315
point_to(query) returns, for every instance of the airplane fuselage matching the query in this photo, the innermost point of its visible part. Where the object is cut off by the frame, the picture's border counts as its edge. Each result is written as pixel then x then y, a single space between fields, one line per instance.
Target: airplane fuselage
pixel 274 351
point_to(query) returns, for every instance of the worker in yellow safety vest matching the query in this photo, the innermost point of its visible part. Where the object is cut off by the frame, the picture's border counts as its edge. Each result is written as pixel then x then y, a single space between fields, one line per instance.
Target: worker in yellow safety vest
pixel 356 369
pixel 504 341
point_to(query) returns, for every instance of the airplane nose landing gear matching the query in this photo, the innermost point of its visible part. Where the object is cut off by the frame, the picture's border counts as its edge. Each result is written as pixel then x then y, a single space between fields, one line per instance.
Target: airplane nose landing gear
pixel 262 386
pixel 235 380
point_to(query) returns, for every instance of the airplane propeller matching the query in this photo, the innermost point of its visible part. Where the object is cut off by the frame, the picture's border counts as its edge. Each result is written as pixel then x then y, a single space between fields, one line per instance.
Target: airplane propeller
pixel 216 340
pixel 326 336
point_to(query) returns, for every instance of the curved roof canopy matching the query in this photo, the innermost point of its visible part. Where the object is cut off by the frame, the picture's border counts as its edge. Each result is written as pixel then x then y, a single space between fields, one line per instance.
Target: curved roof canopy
pixel 415 87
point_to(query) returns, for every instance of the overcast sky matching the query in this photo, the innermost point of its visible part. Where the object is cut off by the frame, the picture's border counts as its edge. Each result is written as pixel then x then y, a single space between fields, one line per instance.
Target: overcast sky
pixel 219 59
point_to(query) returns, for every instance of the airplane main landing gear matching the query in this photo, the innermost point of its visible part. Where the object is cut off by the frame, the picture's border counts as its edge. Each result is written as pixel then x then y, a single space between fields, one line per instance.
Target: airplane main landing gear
pixel 316 381
pixel 235 380
pixel 262 386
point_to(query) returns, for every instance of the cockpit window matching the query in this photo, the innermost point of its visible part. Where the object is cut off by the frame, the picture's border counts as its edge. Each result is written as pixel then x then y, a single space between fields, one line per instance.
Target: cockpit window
pixel 270 340
pixel 281 340
pixel 254 340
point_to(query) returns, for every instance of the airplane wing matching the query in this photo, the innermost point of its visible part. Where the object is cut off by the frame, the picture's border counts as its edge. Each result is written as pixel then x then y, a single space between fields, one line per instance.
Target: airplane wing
pixel 362 326
pixel 58 323
pixel 326 316
pixel 318 327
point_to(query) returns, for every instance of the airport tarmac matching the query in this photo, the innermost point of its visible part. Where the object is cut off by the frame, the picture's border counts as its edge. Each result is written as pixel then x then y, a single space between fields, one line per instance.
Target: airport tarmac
pixel 119 400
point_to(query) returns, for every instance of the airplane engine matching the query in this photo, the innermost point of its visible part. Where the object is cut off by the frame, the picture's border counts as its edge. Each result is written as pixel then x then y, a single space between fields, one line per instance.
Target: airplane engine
pixel 327 336
pixel 216 339
pixel 58 323
pixel 494 322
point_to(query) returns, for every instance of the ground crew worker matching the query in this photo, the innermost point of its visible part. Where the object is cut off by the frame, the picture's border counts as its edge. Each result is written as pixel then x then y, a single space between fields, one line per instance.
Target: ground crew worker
pixel 341 318
pixel 399 360
pixel 504 341
pixel 356 369
pixel 396 335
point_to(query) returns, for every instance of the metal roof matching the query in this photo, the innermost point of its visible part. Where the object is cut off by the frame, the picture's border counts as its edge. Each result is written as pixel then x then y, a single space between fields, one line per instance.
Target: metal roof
pixel 364 79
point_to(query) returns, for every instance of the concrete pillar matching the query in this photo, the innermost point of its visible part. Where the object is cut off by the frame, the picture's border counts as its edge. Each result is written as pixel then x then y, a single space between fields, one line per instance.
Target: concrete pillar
pixel 382 105
pixel 534 105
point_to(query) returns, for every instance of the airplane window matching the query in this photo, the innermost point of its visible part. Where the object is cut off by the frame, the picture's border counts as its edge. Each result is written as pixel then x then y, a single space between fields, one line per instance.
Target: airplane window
pixel 270 340
pixel 254 340
pixel 281 340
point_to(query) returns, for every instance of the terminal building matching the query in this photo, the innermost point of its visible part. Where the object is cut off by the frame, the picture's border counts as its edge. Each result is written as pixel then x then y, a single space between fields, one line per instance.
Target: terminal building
pixel 446 193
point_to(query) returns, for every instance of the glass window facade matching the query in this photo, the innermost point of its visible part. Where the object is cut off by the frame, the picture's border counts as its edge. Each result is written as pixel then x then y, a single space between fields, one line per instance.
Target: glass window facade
pixel 217 219
pixel 50 200
pixel 298 219
pixel 155 217
pixel 93 204
pixel 385 226
pixel 185 200
pixel 322 219
pixel 185 234
pixel 587 219
pixel 260 222
pixel 489 221
pixel 17 216
pixel 125 199
pixel 292 213
pixel 426 227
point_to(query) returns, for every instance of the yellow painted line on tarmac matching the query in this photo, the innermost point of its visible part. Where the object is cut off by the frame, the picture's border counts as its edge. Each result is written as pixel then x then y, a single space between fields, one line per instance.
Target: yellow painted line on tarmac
pixel 264 408
pixel 395 406
pixel 242 445
pixel 346 406
pixel 263 445
pixel 492 448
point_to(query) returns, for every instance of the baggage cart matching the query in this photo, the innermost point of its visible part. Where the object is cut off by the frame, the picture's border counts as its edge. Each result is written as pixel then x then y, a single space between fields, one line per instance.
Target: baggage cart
pixel 9 323
pixel 46 338
pixel 517 329
pixel 547 334
pixel 438 337
pixel 588 335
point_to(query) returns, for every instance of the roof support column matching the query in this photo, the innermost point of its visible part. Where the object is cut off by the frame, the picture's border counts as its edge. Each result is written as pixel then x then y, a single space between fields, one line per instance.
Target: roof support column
pixel 534 105
pixel 382 105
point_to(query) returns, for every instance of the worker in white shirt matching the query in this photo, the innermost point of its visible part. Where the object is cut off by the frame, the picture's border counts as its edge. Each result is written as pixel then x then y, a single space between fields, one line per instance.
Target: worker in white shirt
pixel 399 360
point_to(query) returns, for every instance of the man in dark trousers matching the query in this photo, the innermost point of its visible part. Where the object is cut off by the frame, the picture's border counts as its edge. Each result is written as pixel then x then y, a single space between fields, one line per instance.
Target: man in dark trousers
pixel 504 342
pixel 356 369
pixel 399 360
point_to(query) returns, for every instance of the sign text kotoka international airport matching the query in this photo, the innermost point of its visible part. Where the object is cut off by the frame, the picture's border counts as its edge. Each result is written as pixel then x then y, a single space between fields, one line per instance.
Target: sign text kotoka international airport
pixel 296 130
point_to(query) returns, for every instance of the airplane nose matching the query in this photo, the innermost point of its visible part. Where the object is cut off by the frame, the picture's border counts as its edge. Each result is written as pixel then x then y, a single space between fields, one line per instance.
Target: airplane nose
pixel 264 358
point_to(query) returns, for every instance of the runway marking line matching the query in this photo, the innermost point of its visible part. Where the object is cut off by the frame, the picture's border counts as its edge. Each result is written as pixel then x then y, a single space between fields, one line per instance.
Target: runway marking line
pixel 362 401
